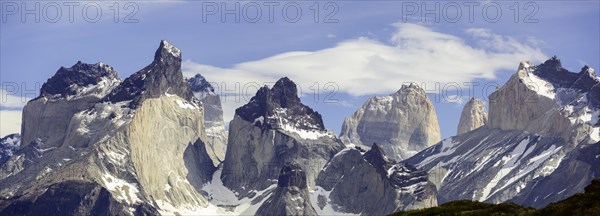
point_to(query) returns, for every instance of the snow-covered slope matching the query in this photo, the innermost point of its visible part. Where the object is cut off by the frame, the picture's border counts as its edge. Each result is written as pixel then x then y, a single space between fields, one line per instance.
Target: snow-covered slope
pixel 538 146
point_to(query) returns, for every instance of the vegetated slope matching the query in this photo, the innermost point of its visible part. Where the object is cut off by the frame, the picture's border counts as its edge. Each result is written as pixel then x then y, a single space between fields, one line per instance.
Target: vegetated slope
pixel 587 203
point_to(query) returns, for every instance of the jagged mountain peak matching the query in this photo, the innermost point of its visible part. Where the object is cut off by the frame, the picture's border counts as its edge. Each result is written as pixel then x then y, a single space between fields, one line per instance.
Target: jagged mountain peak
pixel 167 50
pixel 410 88
pixel 587 70
pixel 162 76
pixel 552 71
pixel 286 92
pixel 376 155
pixel 280 106
pixel 198 83
pixel 551 65
pixel 67 81
pixel 291 197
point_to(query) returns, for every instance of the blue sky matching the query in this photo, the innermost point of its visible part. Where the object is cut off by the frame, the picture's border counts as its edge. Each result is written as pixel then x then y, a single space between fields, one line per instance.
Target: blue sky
pixel 372 49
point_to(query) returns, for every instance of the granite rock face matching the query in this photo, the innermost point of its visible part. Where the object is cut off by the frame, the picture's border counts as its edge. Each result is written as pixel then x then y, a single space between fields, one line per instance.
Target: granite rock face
pixel 272 129
pixel 122 148
pixel 539 145
pixel 403 123
pixel 472 117
pixel 291 196
pixel 213 114
pixel 370 183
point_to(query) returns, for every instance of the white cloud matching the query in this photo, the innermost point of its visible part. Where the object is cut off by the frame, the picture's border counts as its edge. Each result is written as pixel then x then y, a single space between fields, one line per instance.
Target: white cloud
pixel 457 100
pixel 11 122
pixel 11 107
pixel 364 66
pixel 9 101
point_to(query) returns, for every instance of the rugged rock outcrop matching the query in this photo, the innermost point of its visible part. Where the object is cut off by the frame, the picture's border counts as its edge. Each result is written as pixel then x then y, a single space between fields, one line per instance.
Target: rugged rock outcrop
pixel 540 144
pixel 404 123
pixel 291 196
pixel 371 184
pixel 71 90
pixel 272 129
pixel 472 117
pixel 213 114
pixel 8 145
pixel 162 76
pixel 546 99
pixel 142 142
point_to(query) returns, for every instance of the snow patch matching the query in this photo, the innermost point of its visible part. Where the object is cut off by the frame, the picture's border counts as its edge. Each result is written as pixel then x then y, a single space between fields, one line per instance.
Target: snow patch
pixel 171 49
pixel 328 208
pixel 186 105
pixel 121 189
pixel 307 134
pixel 444 149
pixel 595 134
pixel 510 162
pixel 539 85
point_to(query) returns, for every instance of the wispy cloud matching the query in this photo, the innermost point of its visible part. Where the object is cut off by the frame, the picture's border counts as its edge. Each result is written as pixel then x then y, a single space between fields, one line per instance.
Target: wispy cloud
pixel 9 101
pixel 11 122
pixel 364 66
pixel 11 107
pixel 457 100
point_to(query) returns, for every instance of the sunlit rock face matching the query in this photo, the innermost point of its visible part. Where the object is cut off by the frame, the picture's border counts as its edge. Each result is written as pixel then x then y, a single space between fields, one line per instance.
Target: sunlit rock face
pixel 272 129
pixel 541 142
pixel 403 123
pixel 472 116
pixel 127 147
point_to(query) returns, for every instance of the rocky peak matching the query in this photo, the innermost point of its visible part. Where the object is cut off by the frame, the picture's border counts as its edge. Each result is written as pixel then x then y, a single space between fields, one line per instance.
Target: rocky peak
pixel 67 81
pixel 588 71
pixel 278 106
pixel 291 197
pixel 285 92
pixel 473 116
pixel 552 71
pixel 399 174
pixel 410 88
pixel 199 84
pixel 162 76
pixel 292 175
pixel 167 52
pixel 403 123
pixel 376 156
pixel 551 65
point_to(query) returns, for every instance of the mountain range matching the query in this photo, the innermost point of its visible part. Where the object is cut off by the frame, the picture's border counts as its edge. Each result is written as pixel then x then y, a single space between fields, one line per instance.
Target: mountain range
pixel 155 143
